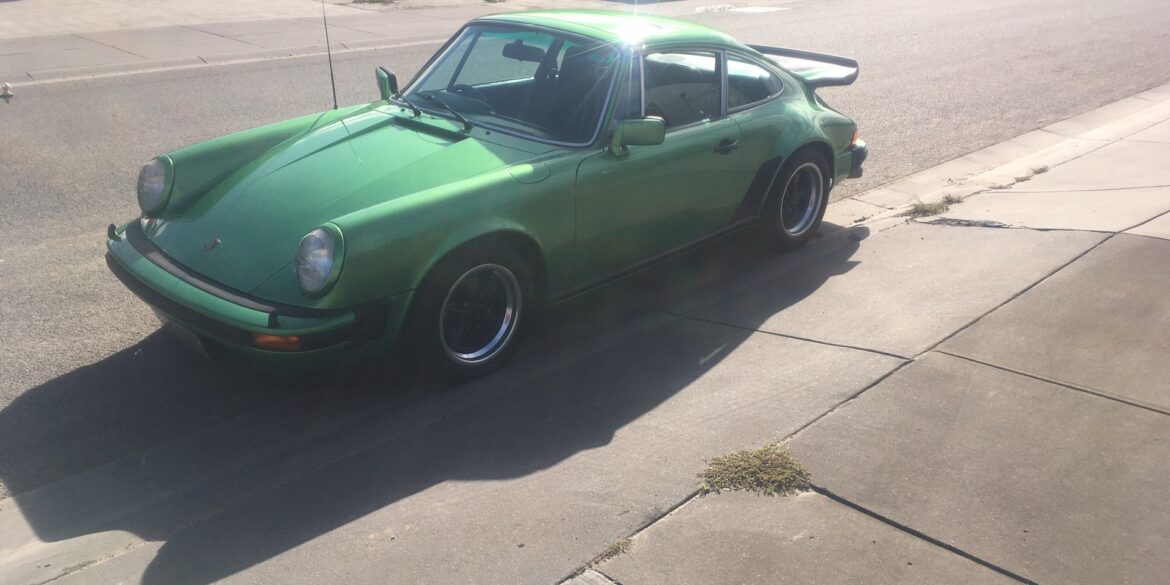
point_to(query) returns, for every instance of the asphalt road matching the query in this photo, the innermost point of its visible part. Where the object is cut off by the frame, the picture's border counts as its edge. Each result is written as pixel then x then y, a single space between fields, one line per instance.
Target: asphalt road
pixel 84 380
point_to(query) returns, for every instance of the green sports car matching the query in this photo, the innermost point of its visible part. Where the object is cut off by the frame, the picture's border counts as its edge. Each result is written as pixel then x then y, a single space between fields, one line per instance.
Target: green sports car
pixel 536 155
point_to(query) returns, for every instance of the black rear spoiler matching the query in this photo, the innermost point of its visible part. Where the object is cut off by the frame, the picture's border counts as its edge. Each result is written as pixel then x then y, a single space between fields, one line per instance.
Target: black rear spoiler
pixel 815 69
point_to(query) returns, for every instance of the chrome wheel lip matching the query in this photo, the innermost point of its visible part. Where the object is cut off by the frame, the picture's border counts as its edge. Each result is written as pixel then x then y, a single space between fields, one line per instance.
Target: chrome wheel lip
pixel 507 326
pixel 815 192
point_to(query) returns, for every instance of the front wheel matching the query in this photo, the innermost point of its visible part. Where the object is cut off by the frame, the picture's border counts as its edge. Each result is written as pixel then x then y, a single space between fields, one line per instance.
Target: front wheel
pixel 798 200
pixel 473 311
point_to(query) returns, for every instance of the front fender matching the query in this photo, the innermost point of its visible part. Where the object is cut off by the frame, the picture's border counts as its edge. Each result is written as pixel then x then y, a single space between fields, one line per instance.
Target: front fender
pixel 390 247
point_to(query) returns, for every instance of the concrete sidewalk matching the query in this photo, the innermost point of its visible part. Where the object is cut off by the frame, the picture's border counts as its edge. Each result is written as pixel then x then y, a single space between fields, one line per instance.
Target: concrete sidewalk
pixel 82 54
pixel 1025 437
pixel 42 41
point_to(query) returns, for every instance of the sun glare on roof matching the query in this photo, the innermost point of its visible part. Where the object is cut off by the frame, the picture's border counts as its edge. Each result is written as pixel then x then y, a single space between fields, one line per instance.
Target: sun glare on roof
pixel 632 33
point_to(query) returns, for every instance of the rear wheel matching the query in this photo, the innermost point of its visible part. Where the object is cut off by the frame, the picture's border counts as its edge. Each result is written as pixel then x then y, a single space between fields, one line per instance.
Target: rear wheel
pixel 472 312
pixel 798 200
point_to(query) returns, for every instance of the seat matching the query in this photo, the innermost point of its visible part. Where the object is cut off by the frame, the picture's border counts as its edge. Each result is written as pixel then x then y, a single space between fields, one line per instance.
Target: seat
pixel 582 86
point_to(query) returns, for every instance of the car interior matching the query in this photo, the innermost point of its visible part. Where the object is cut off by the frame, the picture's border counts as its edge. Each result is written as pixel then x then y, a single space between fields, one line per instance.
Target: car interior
pixel 555 87
pixel 556 92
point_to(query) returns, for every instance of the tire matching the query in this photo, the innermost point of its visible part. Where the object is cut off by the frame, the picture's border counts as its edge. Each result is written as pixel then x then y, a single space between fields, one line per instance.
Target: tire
pixel 798 199
pixel 471 313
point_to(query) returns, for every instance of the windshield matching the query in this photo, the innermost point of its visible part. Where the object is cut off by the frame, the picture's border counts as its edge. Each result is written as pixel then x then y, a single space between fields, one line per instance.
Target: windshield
pixel 533 82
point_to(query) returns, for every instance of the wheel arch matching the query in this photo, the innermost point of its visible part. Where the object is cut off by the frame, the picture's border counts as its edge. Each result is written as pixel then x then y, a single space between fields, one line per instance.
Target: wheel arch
pixel 512 239
pixel 518 241
pixel 822 148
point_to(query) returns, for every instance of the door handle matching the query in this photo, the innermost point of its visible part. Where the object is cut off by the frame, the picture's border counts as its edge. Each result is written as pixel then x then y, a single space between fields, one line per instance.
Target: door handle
pixel 726 145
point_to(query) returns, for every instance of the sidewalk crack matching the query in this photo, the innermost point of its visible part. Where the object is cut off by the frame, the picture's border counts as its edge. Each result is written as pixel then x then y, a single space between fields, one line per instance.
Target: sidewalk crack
pixel 989 224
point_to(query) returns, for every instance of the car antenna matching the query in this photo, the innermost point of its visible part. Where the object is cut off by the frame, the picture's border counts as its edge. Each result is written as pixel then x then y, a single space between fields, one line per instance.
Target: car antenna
pixel 329 52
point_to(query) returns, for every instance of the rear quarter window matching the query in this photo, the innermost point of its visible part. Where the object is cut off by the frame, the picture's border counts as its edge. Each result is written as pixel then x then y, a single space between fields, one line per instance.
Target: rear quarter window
pixel 748 83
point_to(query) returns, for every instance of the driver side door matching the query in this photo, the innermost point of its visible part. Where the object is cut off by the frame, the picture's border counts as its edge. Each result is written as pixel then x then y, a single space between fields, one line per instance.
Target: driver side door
pixel 634 207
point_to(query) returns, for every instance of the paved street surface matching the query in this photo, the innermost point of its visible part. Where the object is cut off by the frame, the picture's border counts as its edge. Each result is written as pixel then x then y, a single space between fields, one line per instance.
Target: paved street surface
pixel 981 396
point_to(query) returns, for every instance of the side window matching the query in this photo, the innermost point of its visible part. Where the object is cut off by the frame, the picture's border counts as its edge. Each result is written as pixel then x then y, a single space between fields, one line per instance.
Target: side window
pixel 749 83
pixel 682 87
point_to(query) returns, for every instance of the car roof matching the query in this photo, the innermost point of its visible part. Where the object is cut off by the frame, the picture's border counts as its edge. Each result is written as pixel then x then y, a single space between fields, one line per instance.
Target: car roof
pixel 614 26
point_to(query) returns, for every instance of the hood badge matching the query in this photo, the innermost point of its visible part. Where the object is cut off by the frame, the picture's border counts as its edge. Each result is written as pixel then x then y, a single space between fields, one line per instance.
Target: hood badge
pixel 209 246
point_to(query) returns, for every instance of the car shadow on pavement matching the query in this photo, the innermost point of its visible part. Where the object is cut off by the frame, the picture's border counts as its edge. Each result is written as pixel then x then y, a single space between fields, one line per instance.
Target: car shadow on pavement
pixel 571 388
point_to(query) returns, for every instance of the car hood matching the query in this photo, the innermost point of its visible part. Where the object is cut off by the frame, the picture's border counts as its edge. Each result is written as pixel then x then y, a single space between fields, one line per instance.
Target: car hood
pixel 247 228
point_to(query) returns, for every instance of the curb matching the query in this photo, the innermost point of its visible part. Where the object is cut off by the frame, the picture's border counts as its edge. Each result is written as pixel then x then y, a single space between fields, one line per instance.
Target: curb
pixel 132 68
pixel 1001 165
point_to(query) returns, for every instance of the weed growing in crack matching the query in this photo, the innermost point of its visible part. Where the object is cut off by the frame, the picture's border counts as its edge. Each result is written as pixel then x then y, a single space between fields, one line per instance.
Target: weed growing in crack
pixel 771 471
pixel 920 209
pixel 620 547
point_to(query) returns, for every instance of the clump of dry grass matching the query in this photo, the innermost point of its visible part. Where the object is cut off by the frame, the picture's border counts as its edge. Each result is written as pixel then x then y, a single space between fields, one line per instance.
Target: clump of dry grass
pixel 920 209
pixel 770 471
pixel 620 547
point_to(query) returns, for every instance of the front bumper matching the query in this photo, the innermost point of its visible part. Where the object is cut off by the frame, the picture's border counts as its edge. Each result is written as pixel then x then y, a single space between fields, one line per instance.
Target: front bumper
pixel 860 151
pixel 234 320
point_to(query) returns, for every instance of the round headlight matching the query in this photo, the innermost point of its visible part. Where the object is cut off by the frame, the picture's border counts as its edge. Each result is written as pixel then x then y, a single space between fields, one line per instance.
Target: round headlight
pixel 153 186
pixel 316 260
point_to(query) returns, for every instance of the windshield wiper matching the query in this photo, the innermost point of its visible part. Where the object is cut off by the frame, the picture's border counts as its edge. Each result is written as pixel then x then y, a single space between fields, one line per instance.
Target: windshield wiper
pixel 438 102
pixel 413 108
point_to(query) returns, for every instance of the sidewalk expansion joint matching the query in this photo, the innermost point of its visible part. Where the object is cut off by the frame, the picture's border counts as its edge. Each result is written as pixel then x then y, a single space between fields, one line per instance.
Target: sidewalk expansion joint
pixel 598 559
pixel 858 196
pixel 921 535
pixel 1146 141
pixel 1068 385
pixel 606 576
pixel 215 34
pixel 1137 188
pixel 1143 222
pixel 85 38
pixel 790 336
pixel 1027 288
pixel 846 401
pixel 592 564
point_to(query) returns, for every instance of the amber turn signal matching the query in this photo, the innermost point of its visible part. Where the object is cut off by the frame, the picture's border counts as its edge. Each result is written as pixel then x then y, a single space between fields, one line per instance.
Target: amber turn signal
pixel 278 342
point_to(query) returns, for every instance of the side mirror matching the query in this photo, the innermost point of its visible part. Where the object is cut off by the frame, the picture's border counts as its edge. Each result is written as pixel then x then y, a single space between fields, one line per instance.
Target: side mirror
pixel 638 132
pixel 387 82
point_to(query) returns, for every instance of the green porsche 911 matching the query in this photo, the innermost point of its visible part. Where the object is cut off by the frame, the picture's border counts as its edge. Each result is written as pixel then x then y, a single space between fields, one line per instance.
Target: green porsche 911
pixel 537 154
